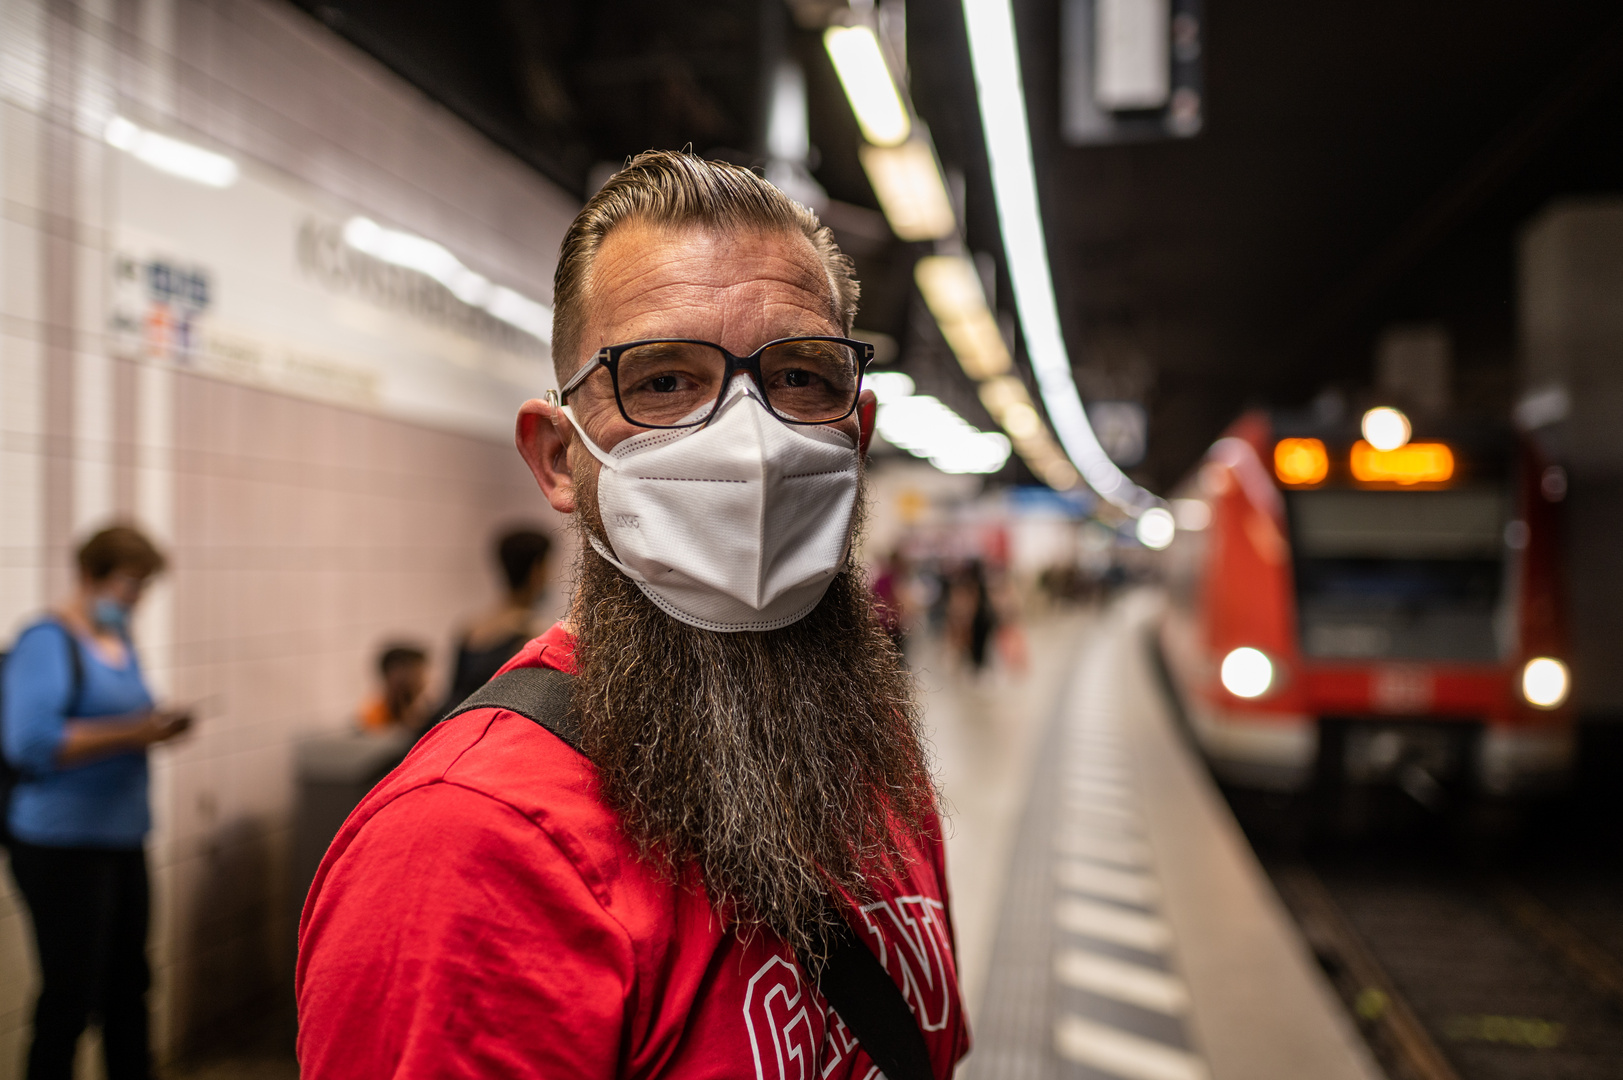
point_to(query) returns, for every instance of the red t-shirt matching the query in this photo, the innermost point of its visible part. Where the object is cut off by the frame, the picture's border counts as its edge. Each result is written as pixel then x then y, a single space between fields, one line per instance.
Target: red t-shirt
pixel 481 914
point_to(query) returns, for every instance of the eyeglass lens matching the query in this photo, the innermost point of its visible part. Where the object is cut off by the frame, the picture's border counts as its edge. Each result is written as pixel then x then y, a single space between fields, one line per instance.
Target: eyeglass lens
pixel 665 382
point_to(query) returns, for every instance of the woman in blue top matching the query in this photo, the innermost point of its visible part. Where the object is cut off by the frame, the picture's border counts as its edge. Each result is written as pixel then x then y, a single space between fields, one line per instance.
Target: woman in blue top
pixel 77 721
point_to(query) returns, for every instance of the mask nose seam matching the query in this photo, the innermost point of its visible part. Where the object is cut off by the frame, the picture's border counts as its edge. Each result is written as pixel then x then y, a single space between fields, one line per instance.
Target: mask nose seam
pixel 752 389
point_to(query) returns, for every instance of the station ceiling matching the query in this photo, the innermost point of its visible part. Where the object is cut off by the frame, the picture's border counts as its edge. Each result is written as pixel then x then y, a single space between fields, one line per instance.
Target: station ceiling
pixel 1363 162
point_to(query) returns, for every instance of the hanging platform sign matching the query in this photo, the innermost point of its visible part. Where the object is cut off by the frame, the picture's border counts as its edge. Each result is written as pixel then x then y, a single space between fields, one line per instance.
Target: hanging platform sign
pixel 1131 70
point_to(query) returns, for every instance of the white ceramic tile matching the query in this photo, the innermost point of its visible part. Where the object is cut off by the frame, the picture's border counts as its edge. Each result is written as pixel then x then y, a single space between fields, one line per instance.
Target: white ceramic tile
pixel 22 300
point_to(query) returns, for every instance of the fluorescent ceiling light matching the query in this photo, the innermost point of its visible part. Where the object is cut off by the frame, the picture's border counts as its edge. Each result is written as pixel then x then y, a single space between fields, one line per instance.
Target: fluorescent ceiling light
pixel 1021 421
pixel 996 61
pixel 172 156
pixel 926 428
pixel 911 192
pixel 1003 393
pixel 950 285
pixel 1006 399
pixel 888 386
pixel 952 290
pixel 1061 475
pixel 868 86
pixel 436 261
pixel 516 309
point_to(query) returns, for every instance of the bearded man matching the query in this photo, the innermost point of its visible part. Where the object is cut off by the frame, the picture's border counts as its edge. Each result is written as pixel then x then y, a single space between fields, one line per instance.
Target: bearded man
pixel 746 779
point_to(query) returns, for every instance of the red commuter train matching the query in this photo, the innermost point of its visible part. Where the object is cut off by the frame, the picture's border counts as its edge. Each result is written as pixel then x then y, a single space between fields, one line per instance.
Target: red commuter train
pixel 1342 615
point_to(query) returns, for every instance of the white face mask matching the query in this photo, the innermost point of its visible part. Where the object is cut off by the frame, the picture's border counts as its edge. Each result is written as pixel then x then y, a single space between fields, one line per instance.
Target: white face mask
pixel 737 525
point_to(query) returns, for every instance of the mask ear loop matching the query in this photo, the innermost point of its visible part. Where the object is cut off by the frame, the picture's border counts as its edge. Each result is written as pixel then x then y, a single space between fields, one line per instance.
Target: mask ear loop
pixel 585 439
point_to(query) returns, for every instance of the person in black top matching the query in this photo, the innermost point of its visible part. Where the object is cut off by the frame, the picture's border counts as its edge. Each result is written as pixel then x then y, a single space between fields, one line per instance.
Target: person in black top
pixel 492 639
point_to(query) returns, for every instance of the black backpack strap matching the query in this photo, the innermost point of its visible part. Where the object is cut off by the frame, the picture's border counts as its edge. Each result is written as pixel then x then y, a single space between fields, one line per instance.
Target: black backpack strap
pixel 540 695
pixel 871 1004
pixel 852 979
pixel 76 664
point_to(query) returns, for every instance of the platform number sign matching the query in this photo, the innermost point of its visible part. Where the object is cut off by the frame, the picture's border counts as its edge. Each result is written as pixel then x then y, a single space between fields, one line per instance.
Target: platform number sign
pixel 158 304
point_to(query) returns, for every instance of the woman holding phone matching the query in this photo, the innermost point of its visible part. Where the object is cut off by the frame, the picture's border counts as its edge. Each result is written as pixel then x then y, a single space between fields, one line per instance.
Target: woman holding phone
pixel 76 724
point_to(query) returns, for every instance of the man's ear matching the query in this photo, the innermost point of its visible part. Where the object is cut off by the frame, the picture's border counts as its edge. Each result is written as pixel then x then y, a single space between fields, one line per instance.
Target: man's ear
pixel 543 435
pixel 867 409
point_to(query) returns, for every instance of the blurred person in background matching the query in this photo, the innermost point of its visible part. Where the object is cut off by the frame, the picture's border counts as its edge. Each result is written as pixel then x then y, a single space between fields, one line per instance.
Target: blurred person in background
pixel 645 881
pixel 1009 632
pixel 496 636
pixel 402 702
pixel 77 720
pixel 971 615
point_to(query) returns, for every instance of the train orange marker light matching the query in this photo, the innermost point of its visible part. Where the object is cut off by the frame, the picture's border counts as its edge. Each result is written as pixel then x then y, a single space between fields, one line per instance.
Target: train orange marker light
pixel 1412 463
pixel 1300 462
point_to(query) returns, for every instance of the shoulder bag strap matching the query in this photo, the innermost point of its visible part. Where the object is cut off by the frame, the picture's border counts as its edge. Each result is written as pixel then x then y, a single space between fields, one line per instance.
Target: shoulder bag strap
pixel 540 695
pixel 872 1006
pixel 76 667
pixel 852 979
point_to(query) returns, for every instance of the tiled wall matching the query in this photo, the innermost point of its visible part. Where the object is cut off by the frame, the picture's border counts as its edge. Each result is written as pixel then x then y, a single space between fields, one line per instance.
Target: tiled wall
pixel 302 534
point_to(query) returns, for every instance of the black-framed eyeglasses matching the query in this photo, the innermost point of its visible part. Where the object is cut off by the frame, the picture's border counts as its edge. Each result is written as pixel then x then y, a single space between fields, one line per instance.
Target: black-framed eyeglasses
pixel 669 382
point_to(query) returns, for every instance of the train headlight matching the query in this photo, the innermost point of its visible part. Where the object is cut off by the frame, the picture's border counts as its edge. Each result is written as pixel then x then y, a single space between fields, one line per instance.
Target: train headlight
pixel 1385 428
pixel 1247 672
pixel 1545 682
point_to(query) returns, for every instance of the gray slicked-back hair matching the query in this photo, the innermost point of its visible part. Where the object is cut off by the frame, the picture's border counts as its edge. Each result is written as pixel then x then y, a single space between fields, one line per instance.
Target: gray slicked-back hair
pixel 667 187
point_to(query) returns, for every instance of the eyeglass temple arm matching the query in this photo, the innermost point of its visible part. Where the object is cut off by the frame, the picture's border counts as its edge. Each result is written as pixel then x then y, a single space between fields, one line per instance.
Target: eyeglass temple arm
pixel 585 372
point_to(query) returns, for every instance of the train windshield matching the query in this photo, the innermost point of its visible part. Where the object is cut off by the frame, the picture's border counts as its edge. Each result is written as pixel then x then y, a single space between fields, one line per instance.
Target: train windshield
pixel 1399 574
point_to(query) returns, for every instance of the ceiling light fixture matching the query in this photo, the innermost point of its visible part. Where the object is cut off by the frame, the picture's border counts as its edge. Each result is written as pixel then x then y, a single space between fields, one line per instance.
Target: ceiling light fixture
pixel 951 288
pixel 436 261
pixel 913 196
pixel 926 428
pixel 907 179
pixel 888 386
pixel 860 64
pixel 996 62
pixel 172 156
pixel 952 291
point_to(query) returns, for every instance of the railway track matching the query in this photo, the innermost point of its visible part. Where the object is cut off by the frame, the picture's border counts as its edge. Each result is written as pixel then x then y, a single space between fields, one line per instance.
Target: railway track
pixel 1457 973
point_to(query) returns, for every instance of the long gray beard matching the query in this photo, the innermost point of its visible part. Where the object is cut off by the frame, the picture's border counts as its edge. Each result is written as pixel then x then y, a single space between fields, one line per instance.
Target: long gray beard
pixel 781 765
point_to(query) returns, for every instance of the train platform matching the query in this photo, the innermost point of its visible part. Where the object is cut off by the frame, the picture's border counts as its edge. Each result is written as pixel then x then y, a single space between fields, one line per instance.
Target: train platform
pixel 1112 920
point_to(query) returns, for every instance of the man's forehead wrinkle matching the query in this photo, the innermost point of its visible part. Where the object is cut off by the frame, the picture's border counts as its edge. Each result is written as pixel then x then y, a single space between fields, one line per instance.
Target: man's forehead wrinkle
pixel 722 275
pixel 698 283
pixel 682 310
pixel 789 250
